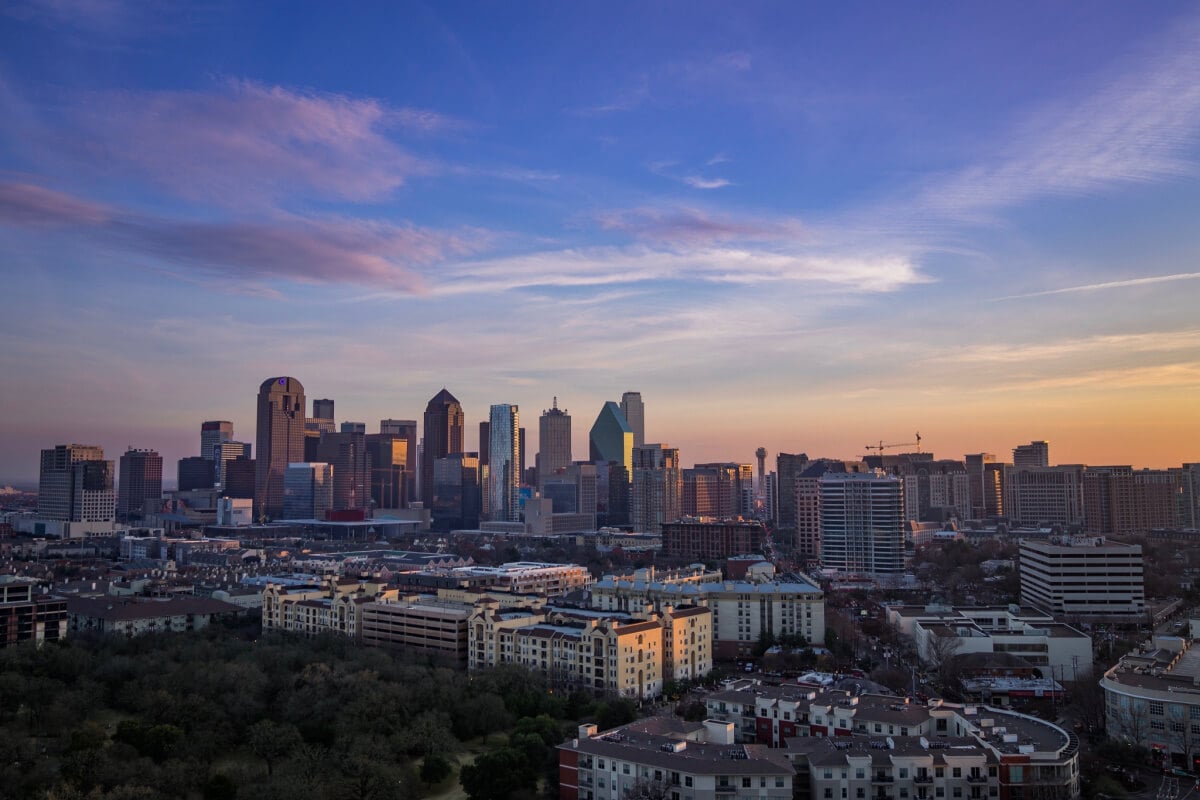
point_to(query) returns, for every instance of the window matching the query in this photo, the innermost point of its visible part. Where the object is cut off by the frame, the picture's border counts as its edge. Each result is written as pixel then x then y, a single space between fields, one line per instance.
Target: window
pixel 957 772
pixel 828 794
pixel 904 792
pixel 600 763
pixel 939 772
pixel 860 792
pixel 1177 727
pixel 904 772
pixel 860 773
pixel 625 768
pixel 745 783
pixel 958 791
pixel 779 783
pixel 1156 708
pixel 687 780
pixel 1156 725
pixel 828 774
pixel 939 792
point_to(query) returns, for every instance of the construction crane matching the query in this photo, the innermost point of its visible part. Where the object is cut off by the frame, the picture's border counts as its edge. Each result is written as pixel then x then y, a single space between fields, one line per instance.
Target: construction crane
pixel 879 448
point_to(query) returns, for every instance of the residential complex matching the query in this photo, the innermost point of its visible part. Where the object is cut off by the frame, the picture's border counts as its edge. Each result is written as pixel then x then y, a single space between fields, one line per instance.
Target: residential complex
pixel 862 524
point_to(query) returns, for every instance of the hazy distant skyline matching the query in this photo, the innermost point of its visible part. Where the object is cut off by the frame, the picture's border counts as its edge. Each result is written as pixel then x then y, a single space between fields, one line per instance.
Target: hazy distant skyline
pixel 805 229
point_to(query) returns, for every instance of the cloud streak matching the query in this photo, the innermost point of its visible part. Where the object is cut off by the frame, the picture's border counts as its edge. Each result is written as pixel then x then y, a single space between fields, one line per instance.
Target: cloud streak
pixel 1098 287
pixel 306 250
pixel 248 142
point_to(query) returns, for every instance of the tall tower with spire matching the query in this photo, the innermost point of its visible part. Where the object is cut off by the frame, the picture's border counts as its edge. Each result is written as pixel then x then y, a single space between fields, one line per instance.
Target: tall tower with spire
pixel 444 425
pixel 554 442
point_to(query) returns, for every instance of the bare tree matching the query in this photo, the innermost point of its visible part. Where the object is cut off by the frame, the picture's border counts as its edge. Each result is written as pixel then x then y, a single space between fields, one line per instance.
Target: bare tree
pixel 648 789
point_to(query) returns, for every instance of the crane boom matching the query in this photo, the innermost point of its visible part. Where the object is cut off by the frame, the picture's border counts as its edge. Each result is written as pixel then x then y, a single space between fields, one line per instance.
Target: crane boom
pixel 879 448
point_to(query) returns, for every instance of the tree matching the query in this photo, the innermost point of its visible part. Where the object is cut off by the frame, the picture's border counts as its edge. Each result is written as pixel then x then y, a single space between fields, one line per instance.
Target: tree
pixel 497 774
pixel 271 741
pixel 435 769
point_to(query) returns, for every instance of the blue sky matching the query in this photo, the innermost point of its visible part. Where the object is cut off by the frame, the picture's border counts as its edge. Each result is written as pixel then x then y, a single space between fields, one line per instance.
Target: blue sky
pixel 798 227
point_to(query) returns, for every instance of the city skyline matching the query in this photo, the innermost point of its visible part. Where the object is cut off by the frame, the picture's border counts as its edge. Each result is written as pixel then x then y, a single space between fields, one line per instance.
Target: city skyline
pixel 807 229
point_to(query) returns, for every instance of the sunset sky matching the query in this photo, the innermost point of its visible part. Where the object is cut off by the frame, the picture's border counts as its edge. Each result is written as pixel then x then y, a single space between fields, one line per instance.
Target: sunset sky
pixel 806 228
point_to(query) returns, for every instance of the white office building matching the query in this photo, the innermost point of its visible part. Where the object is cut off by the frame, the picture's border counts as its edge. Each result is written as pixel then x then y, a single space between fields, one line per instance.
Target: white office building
pixel 1083 576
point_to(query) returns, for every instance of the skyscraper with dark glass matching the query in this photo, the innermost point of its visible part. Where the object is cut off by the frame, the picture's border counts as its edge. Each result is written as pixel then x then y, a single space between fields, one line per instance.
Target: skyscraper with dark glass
pixel 611 438
pixel 140 479
pixel 635 414
pixel 279 441
pixel 444 424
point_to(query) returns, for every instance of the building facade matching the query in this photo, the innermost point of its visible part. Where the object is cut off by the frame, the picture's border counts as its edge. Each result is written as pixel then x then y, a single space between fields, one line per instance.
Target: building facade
pixel 656 487
pixel 307 490
pixel 554 442
pixel 444 425
pixel 504 463
pixel 279 441
pixel 862 524
pixel 634 411
pixel 1083 576
pixel 140 479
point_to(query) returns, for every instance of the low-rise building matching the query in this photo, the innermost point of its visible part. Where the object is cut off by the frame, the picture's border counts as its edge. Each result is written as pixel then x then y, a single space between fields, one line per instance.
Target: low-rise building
pixel 133 616
pixel 1152 699
pixel 670 758
pixel 418 622
pixel 742 611
pixel 937 632
pixel 28 614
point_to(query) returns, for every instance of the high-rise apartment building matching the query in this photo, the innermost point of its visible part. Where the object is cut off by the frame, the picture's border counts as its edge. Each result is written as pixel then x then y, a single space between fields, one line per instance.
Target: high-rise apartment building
pixel 862 524
pixel 656 489
pixel 223 453
pixel 977 474
pixel 554 442
pixel 212 433
pixel 721 490
pixel 935 490
pixel 611 438
pixel 1035 496
pixel 307 490
pixel 279 440
pixel 1187 506
pixel 787 467
pixel 75 484
pixel 139 480
pixel 504 463
pixel 444 423
pixel 1122 501
pixel 1034 454
pixel 635 414
pixel 807 543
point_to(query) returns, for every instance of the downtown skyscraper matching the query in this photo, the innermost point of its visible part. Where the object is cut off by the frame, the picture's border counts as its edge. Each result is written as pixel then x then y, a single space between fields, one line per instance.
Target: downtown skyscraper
pixel 862 523
pixel 140 473
pixel 279 441
pixel 554 442
pixel 635 414
pixel 504 463
pixel 444 423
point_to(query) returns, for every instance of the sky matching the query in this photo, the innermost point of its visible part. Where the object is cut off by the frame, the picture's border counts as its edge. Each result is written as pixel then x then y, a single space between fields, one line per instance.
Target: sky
pixel 799 226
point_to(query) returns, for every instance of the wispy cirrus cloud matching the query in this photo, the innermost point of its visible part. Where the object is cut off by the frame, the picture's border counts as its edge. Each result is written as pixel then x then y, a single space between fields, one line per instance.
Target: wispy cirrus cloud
pixel 1105 285
pixel 1132 129
pixel 669 169
pixel 605 266
pixel 625 100
pixel 247 142
pixel 289 248
pixel 693 225
pixel 700 182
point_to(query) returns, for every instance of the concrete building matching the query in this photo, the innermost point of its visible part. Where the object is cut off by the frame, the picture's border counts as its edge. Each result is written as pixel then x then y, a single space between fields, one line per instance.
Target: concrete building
pixel 213 433
pixel 634 411
pixel 129 616
pixel 307 490
pixel 1055 650
pixel 601 654
pixel 333 607
pixel 1152 699
pixel 29 614
pixel 279 441
pixel 1034 454
pixel 346 452
pixel 504 463
pixel 1044 496
pixel 421 623
pixel 670 758
pixel 1122 501
pixel 323 410
pixel 807 541
pixel 656 487
pixel 862 524
pixel 742 611
pixel 140 479
pixel 1083 577
pixel 937 490
pixel 710 539
pixel 75 484
pixel 554 443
